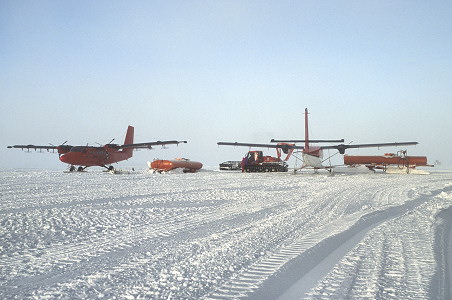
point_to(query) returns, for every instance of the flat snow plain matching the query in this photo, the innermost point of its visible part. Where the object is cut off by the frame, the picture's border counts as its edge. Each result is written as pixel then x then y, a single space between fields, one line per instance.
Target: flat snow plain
pixel 224 235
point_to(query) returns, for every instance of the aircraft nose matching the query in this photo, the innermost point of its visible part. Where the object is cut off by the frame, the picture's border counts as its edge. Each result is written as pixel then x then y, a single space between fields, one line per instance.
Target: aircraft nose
pixel 62 157
pixel 66 158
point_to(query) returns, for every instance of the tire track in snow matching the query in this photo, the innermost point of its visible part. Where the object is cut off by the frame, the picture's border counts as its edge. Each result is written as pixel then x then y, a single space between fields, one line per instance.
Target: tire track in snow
pixel 65 261
pixel 242 234
pixel 68 261
pixel 442 280
pixel 350 239
pixel 396 260
pixel 255 275
pixel 306 261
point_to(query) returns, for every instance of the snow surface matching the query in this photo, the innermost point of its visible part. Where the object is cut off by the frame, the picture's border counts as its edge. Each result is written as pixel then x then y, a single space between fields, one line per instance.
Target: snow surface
pixel 224 235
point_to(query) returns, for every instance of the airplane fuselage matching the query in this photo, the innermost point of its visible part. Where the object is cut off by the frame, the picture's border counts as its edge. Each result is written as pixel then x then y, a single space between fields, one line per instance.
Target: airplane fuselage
pixel 94 156
pixel 312 157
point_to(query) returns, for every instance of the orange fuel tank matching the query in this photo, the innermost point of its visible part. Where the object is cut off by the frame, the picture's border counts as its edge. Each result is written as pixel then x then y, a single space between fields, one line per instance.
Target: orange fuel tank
pixel 388 159
pixel 187 165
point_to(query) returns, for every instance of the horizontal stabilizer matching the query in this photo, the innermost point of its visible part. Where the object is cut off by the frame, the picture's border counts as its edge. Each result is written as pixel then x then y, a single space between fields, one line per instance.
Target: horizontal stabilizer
pixel 310 141
pixel 285 146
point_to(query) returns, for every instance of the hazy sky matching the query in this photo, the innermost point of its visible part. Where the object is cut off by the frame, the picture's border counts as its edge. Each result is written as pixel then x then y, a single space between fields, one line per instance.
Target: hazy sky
pixel 209 71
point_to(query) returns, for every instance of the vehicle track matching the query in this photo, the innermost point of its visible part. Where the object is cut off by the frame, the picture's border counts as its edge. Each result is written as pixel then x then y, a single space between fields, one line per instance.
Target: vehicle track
pixel 183 237
pixel 442 280
pixel 273 277
pixel 66 261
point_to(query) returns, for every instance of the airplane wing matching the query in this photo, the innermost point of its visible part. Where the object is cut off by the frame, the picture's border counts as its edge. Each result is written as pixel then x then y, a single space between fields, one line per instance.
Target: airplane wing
pixel 285 146
pixel 342 147
pixel 37 147
pixel 150 144
pixel 34 147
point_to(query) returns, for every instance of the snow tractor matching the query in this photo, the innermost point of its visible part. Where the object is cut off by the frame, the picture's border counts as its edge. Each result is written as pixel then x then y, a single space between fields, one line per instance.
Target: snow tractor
pixel 255 161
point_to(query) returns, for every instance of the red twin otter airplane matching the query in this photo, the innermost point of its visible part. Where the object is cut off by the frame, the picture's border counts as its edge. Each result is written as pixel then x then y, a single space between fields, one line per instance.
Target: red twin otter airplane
pixel 104 156
pixel 312 155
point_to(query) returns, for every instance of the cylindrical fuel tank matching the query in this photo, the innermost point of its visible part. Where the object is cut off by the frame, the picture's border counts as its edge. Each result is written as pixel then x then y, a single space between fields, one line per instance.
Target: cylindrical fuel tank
pixel 385 160
pixel 167 165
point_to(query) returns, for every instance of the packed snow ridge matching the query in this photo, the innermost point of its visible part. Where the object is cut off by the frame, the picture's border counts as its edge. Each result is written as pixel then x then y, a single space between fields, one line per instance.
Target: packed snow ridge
pixel 225 235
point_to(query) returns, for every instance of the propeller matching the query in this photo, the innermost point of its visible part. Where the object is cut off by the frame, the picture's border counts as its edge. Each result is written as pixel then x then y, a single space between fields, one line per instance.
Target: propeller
pixel 59 145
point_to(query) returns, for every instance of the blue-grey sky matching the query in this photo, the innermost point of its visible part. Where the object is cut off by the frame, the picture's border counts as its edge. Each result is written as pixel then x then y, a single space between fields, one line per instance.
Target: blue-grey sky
pixel 209 71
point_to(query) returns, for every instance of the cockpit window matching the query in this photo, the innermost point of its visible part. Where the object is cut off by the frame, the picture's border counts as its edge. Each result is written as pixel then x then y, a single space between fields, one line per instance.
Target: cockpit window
pixel 78 149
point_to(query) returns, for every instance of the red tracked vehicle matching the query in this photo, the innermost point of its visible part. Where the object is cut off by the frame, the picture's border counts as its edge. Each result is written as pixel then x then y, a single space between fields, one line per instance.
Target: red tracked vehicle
pixel 255 161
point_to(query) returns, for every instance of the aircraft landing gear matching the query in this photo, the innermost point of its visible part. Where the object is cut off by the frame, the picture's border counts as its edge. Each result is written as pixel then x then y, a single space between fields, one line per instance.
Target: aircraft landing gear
pixel 110 168
pixel 72 168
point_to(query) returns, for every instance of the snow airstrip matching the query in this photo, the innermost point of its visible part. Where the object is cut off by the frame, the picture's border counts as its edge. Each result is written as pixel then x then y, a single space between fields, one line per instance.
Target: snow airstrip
pixel 225 235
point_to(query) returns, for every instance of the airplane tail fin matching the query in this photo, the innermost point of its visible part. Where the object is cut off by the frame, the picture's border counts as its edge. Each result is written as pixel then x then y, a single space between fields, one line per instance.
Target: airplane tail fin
pixel 129 140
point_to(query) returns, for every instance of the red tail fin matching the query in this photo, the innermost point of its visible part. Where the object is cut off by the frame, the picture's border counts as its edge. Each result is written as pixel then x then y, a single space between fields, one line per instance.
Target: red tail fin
pixel 129 140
